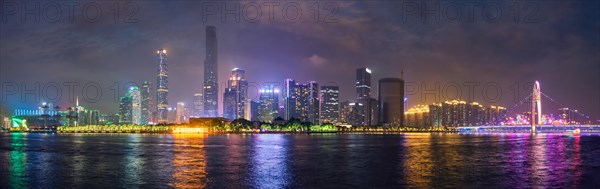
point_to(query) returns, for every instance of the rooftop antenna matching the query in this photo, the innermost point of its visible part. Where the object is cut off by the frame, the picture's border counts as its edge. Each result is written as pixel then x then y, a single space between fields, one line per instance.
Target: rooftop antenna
pixel 402 73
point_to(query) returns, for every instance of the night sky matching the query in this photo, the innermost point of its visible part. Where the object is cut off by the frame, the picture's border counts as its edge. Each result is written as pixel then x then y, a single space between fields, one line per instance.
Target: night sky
pixel 556 42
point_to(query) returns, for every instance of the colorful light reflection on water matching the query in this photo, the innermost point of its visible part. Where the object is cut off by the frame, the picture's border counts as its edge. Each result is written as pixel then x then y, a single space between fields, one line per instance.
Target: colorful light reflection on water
pixel 299 161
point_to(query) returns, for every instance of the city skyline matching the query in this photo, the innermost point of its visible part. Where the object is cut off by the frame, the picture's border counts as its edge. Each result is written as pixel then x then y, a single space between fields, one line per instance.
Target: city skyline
pixel 310 61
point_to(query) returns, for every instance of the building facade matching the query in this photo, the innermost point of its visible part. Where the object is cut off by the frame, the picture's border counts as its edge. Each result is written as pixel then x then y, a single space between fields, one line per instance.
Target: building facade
pixel 268 108
pixel 235 95
pixel 198 105
pixel 211 82
pixel 301 101
pixel 363 95
pixel 330 104
pixel 145 103
pixel 391 101
pixel 162 89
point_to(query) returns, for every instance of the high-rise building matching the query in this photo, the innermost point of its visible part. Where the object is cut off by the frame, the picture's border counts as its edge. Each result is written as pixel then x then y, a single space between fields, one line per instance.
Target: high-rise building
pixel 373 112
pixel 289 99
pixel 136 105
pixel 254 110
pixel 268 108
pixel 130 109
pixel 198 105
pixel 234 97
pixel 211 87
pixel 301 101
pixel 330 104
pixel 229 103
pixel 391 101
pixel 345 112
pixel 418 117
pixel 146 101
pixel 180 113
pixel 363 96
pixel 162 90
pixel 496 115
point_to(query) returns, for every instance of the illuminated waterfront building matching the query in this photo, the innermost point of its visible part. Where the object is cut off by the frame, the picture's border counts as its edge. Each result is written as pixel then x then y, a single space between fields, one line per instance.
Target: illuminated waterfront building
pixel 210 85
pixel 435 114
pixel 130 109
pixel 198 105
pixel 136 105
pixel 229 103
pixel 496 115
pixel 330 104
pixel 125 110
pixel 146 103
pixel 363 96
pixel 235 95
pixel 301 101
pixel 391 101
pixel 45 117
pixel 268 108
pixel 344 111
pixel 289 99
pixel 162 90
pixel 418 117
pixel 570 116
pixel 180 116
pixel 354 116
pixel 254 110
pixel 456 113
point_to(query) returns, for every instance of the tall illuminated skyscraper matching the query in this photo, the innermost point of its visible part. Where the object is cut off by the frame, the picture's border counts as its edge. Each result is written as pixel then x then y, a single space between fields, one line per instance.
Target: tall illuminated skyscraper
pixel 268 108
pixel 210 86
pixel 130 109
pixel 330 104
pixel 301 101
pixel 145 102
pixel 162 90
pixel 234 98
pixel 363 96
pixel 136 105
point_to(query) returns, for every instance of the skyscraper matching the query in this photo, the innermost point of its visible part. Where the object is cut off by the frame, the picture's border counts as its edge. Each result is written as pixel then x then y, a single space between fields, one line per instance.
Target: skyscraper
pixel 301 101
pixel 136 105
pixel 180 113
pixel 234 97
pixel 268 108
pixel 363 96
pixel 330 104
pixel 391 101
pixel 198 105
pixel 130 110
pixel 162 90
pixel 254 110
pixel 229 103
pixel 145 102
pixel 210 87
pixel 289 99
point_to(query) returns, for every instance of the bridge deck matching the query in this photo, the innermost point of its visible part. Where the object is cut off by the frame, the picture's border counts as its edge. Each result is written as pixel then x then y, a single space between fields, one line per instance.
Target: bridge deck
pixel 527 128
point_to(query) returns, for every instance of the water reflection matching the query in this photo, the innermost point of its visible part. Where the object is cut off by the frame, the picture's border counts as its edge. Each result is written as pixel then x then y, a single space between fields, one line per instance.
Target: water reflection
pixel 18 177
pixel 418 160
pixel 133 163
pixel 298 161
pixel 189 163
pixel 270 161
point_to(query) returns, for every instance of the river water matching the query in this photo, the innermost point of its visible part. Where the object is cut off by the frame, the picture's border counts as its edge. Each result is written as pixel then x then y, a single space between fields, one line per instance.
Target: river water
pixel 412 160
